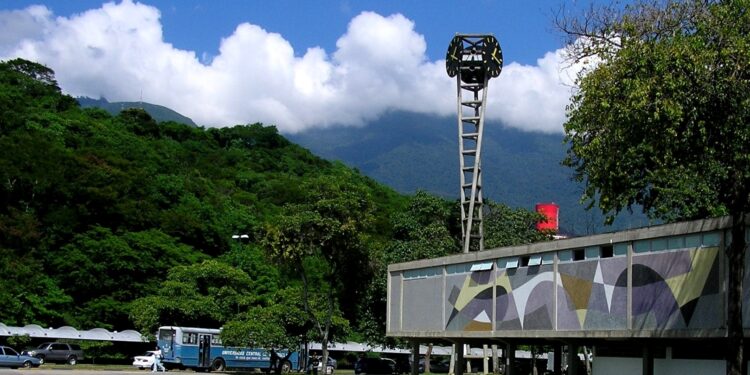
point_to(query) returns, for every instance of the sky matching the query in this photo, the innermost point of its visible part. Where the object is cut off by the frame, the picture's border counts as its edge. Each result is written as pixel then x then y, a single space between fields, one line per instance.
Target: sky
pixel 298 65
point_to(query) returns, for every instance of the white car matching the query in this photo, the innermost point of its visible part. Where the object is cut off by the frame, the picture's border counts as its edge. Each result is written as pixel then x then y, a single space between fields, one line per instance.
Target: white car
pixel 144 361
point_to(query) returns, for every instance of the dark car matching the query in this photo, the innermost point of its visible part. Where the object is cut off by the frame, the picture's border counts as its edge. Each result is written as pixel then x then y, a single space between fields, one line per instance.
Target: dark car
pixel 57 352
pixel 380 366
pixel 10 358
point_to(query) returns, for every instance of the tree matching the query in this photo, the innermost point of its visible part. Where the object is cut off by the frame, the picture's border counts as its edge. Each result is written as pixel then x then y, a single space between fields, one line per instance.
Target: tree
pixel 206 294
pixel 281 325
pixel 322 235
pixel 662 119
pixel 507 226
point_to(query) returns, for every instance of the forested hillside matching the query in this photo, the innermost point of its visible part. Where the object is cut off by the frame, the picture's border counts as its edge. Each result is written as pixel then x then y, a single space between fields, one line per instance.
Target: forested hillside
pixel 121 222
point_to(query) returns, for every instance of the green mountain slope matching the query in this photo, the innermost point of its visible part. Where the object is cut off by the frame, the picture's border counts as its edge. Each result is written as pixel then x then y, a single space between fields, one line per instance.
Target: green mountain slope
pixel 158 112
pixel 98 209
pixel 410 151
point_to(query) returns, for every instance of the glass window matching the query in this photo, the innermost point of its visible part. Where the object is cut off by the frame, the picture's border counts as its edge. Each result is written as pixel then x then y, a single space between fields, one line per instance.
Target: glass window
pixel 458 268
pixel 511 263
pixel 548 258
pixel 190 338
pixel 10 351
pixel 607 251
pixel 58 347
pixel 658 244
pixel 565 255
pixel 535 260
pixel 620 249
pixel 693 241
pixel 592 252
pixel 711 239
pixel 677 242
pixel 216 340
pixel 642 246
pixel 484 266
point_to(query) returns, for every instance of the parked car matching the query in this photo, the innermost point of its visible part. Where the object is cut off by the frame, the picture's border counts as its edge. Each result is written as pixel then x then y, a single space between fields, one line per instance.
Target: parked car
pixel 57 352
pixel 330 369
pixel 144 361
pixel 9 357
pixel 380 366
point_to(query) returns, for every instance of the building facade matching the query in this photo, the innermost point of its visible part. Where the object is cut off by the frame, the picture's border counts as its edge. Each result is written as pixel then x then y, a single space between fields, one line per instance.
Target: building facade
pixel 650 294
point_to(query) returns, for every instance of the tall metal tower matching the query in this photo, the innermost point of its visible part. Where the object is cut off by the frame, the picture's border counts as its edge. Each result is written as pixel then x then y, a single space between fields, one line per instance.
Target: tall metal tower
pixel 473 60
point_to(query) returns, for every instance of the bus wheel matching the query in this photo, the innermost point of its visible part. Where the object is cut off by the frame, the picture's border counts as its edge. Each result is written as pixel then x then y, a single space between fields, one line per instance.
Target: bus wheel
pixel 218 365
pixel 286 367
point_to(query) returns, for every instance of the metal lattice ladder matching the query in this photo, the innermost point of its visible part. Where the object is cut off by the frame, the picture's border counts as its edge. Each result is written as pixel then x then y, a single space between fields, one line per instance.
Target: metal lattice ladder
pixel 471 99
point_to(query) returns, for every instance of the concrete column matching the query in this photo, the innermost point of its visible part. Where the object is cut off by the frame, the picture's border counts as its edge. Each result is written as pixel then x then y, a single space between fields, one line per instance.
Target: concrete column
pixel 510 356
pixel 495 360
pixel 414 358
pixel 485 360
pixel 557 360
pixel 459 359
pixel 573 359
pixel 648 361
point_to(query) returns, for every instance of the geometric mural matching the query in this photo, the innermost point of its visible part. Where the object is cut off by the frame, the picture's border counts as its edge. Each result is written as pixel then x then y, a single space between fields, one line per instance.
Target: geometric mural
pixel 671 290
pixel 471 303
pixel 592 294
pixel 524 298
pixel 677 290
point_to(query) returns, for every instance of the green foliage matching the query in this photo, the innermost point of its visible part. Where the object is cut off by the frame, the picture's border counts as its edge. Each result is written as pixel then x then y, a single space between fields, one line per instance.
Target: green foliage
pixel 204 294
pixel 120 221
pixel 321 238
pixel 98 209
pixel 662 122
pixel 17 341
pixel 507 226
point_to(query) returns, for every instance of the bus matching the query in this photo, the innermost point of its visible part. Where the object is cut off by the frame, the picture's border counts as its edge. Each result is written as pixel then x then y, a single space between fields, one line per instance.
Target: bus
pixel 201 349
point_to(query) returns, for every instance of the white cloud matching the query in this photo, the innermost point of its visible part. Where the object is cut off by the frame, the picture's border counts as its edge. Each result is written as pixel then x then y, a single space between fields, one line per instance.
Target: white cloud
pixel 118 52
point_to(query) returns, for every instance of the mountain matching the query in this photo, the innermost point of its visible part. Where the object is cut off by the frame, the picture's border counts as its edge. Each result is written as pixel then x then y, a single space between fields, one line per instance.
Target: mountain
pixel 158 112
pixel 409 152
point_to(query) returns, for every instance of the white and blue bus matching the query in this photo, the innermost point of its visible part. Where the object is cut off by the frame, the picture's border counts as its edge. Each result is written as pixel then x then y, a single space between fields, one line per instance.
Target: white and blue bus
pixel 201 349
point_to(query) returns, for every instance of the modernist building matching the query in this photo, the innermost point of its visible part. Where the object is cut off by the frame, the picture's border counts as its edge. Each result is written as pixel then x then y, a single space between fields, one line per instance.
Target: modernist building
pixel 649 300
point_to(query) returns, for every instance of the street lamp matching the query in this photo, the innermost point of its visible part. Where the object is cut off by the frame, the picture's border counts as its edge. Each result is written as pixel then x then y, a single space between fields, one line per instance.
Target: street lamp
pixel 240 236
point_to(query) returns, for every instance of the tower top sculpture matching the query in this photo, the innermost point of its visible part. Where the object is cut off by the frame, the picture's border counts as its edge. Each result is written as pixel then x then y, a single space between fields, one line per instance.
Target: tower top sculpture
pixel 473 60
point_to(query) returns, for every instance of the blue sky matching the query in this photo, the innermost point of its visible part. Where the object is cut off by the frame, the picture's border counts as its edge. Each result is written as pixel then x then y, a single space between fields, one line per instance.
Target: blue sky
pixel 292 63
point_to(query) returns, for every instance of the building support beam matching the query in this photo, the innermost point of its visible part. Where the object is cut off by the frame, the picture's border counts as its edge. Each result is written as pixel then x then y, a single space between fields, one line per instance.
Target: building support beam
pixel 557 360
pixel 495 360
pixel 414 358
pixel 648 360
pixel 573 362
pixel 510 357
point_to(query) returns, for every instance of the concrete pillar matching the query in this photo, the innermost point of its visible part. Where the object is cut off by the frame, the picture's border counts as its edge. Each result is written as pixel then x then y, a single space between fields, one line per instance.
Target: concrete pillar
pixel 557 360
pixel 573 359
pixel 510 356
pixel 414 358
pixel 648 361
pixel 459 350
pixel 485 360
pixel 495 360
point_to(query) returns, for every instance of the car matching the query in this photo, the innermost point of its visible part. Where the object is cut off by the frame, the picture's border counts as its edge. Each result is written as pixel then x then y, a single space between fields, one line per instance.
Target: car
pixel 57 352
pixel 330 369
pixel 144 361
pixel 9 357
pixel 380 366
